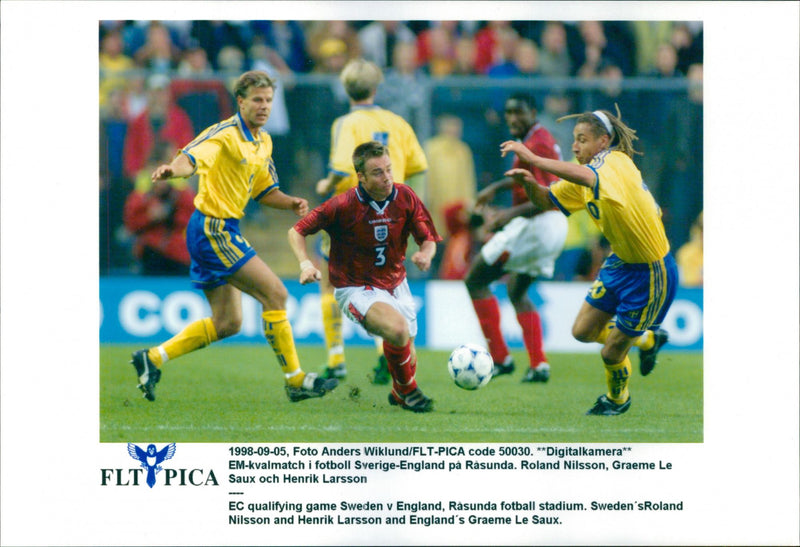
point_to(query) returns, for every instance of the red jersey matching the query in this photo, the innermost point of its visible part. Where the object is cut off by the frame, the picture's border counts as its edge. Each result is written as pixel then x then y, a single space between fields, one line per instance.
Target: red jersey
pixel 369 238
pixel 542 143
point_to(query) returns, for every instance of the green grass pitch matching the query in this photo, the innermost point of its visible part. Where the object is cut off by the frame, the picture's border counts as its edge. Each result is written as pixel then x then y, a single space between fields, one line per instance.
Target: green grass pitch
pixel 234 393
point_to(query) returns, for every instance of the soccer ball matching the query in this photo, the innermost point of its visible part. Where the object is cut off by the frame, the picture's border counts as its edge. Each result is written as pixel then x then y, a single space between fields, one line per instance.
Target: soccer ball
pixel 470 366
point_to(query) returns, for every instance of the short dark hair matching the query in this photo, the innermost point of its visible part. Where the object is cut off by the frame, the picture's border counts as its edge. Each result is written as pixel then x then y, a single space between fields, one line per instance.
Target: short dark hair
pixel 367 151
pixel 252 78
pixel 525 98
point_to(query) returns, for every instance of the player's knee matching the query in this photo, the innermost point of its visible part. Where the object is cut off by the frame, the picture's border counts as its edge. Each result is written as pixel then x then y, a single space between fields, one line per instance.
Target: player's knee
pixel 582 334
pixel 227 326
pixel 397 334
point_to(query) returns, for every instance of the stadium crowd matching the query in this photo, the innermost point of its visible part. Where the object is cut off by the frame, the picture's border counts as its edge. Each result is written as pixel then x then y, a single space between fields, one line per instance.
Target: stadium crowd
pixel 163 81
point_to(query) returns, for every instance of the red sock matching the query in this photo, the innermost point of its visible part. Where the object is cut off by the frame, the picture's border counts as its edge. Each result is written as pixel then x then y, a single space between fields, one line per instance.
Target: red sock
pixel 488 311
pixel 531 325
pixel 402 366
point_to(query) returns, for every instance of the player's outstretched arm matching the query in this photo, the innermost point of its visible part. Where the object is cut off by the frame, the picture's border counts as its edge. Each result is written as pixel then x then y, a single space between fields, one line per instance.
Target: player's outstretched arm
pixel 308 272
pixel 278 200
pixel 181 166
pixel 538 194
pixel 572 172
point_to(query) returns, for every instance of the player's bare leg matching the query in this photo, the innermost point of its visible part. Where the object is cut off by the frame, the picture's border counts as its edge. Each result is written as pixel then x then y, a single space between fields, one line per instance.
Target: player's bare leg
pixel 589 326
pixel 259 281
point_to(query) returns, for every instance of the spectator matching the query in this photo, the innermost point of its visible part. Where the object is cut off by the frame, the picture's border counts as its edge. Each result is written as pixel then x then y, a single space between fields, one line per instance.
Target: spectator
pixel 666 65
pixel 113 128
pixel 554 59
pixel 194 62
pixel 320 31
pixel 436 47
pixel 598 50
pixel 288 39
pixel 231 59
pixel 503 65
pixel 212 36
pixel 158 54
pixel 161 121
pixel 487 41
pixel 526 58
pixel 333 55
pixel 157 214
pixel 690 256
pixel 648 36
pixel 688 44
pixel 465 51
pixel 403 90
pixel 440 56
pixel 451 170
pixel 112 62
pixel 378 39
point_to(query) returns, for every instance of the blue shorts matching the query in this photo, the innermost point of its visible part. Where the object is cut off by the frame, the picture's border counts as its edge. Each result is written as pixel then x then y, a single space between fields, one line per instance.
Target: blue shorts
pixel 638 294
pixel 217 249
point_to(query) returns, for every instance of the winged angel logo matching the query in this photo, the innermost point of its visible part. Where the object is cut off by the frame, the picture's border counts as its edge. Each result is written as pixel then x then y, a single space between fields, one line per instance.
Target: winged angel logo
pixel 151 459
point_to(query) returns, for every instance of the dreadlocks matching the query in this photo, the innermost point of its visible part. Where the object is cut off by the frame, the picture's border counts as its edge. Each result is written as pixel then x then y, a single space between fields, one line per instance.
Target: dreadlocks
pixel 603 122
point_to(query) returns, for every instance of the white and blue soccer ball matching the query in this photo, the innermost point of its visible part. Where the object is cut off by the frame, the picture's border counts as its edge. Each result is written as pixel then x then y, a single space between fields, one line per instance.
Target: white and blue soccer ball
pixel 470 366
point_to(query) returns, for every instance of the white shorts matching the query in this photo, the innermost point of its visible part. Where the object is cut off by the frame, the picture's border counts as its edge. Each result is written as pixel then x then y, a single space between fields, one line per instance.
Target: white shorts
pixel 532 244
pixel 355 302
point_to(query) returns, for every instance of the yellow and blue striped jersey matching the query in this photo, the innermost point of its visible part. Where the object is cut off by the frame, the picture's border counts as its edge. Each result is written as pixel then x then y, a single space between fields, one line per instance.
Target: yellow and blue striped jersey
pixel 372 123
pixel 233 165
pixel 620 205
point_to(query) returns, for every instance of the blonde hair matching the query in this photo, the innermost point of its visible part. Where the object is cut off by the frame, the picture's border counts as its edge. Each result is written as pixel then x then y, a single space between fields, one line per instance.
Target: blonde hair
pixel 360 79
pixel 621 136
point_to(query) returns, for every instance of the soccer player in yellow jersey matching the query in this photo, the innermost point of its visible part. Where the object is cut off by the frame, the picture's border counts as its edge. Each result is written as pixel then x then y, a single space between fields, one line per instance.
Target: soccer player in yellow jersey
pixel 637 281
pixel 365 122
pixel 234 162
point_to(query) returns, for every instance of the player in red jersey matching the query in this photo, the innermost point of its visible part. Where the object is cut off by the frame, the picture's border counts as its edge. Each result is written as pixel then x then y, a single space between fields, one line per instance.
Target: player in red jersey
pixel 369 227
pixel 525 246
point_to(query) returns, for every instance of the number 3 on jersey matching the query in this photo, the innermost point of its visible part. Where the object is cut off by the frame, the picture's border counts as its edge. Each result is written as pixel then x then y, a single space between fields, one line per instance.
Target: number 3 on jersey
pixel 380 256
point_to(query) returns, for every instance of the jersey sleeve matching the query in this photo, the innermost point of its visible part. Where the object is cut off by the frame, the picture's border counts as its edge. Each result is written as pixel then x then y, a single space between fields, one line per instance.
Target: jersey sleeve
pixel 266 181
pixel 204 149
pixel 567 196
pixel 422 227
pixel 416 162
pixel 317 219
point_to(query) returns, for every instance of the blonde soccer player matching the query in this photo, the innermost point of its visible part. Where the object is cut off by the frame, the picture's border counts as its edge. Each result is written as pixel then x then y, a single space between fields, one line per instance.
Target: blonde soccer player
pixel 365 122
pixel 637 282
pixel 233 160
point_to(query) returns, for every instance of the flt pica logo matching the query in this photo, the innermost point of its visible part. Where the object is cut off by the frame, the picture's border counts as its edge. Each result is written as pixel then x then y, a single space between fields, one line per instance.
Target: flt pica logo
pixel 150 461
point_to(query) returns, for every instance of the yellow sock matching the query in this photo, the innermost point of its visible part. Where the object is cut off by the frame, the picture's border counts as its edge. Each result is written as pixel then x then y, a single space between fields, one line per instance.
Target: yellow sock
pixel 644 342
pixel 332 325
pixel 195 336
pixel 617 377
pixel 278 331
pixel 603 336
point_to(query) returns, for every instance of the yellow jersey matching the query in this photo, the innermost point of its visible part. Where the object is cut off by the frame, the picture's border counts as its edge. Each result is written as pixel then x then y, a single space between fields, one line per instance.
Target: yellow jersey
pixel 233 166
pixel 620 205
pixel 372 123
